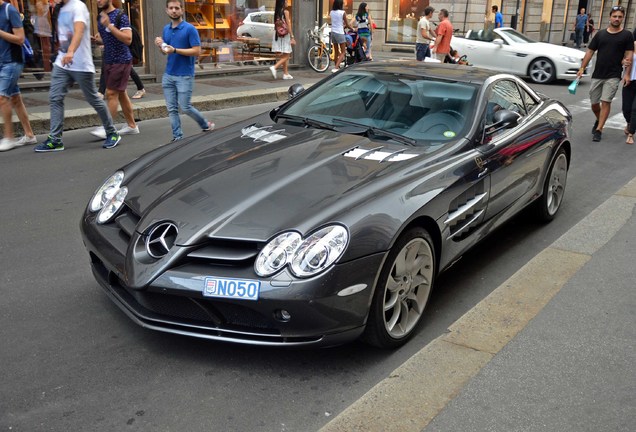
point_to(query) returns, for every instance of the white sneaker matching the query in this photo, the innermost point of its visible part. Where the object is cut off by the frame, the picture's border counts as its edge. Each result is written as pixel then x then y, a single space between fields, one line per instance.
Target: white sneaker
pixel 334 70
pixel 99 132
pixel 210 127
pixel 25 140
pixel 272 69
pixel 127 130
pixel 7 144
pixel 288 77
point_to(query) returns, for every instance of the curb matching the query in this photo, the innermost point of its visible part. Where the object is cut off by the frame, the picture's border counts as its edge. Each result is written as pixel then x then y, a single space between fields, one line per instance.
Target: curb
pixel 414 393
pixel 147 110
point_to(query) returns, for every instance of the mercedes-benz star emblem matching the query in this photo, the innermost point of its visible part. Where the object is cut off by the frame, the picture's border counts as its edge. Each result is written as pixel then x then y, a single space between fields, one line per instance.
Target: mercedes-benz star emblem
pixel 160 239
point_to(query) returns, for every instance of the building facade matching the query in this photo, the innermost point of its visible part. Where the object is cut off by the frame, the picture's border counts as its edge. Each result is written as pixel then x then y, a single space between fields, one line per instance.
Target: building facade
pixel 234 32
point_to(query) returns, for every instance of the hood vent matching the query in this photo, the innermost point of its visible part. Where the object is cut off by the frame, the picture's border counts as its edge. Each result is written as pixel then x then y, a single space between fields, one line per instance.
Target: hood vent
pixel 262 133
pixel 378 154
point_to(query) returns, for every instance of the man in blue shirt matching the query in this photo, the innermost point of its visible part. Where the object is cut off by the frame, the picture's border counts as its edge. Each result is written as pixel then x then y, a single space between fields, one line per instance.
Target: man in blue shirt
pixel 581 23
pixel 498 16
pixel 11 65
pixel 180 42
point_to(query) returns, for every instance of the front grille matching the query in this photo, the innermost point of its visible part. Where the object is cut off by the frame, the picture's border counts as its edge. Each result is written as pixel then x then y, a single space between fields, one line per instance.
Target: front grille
pixel 127 221
pixel 233 253
pixel 206 312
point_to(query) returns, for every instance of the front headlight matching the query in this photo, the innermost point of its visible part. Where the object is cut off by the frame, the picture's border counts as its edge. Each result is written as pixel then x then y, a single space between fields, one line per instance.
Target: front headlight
pixel 112 206
pixel 106 191
pixel 571 59
pixel 305 257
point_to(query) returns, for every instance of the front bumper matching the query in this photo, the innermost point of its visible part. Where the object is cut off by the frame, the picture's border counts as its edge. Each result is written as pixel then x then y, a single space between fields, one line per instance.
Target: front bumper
pixel 174 303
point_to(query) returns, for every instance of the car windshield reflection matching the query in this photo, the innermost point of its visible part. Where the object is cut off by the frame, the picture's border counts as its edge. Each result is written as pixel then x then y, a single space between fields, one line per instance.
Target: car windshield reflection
pixel 422 111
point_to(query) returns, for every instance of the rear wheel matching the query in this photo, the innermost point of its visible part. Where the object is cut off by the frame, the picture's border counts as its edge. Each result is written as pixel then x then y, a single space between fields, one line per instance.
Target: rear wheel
pixel 318 58
pixel 553 189
pixel 405 284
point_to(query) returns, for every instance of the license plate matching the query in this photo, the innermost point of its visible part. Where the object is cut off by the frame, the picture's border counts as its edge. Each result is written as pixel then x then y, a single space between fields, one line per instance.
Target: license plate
pixel 240 289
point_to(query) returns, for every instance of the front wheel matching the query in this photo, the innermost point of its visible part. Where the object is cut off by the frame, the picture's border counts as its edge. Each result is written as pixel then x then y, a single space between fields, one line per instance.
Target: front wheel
pixel 550 201
pixel 403 289
pixel 318 57
pixel 542 71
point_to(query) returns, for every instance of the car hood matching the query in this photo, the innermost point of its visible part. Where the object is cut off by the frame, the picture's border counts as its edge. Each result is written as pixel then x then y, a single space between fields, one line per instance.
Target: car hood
pixel 254 181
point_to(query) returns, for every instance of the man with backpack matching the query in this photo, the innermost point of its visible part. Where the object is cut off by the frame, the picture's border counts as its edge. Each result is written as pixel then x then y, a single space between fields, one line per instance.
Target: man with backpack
pixel 11 65
pixel 116 35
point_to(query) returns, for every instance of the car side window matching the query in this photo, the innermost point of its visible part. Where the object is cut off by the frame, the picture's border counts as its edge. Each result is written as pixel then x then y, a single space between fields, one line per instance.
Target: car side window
pixel 504 95
pixel 531 104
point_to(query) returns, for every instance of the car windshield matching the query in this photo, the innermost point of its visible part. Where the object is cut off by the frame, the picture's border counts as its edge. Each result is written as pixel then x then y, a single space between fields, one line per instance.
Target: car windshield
pixel 388 106
pixel 517 37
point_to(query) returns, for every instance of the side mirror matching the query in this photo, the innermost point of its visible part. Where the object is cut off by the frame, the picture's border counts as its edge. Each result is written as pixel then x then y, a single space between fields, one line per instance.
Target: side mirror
pixel 498 42
pixel 294 90
pixel 503 119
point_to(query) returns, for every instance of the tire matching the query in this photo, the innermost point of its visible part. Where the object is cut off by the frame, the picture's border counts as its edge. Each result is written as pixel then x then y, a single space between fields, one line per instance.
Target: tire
pixel 550 201
pixel 403 289
pixel 541 71
pixel 318 58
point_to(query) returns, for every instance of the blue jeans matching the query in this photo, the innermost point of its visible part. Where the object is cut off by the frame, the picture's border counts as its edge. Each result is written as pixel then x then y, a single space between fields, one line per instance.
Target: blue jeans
pixel 9 75
pixel 578 36
pixel 61 80
pixel 178 92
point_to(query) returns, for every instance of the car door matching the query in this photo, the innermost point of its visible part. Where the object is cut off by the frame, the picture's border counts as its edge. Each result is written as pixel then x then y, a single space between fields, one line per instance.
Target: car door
pixel 513 157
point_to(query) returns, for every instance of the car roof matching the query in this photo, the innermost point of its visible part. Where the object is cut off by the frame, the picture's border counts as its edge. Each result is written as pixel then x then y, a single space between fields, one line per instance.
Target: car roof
pixel 442 71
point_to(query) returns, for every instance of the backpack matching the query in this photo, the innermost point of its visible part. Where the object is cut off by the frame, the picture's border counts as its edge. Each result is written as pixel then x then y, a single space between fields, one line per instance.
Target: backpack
pixel 136 46
pixel 27 50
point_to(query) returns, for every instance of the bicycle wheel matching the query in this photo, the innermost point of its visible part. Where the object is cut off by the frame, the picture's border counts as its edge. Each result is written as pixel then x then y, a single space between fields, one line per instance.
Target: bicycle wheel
pixel 318 58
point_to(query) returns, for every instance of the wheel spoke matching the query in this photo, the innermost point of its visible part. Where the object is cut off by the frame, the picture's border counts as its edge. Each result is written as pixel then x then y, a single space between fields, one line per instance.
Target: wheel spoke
pixel 390 303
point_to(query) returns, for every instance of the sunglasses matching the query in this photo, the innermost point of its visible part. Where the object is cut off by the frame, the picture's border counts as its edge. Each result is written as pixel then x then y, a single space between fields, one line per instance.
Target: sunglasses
pixel 618 8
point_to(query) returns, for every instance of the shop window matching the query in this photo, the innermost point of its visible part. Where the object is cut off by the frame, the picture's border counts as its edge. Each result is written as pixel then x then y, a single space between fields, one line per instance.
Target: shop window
pixel 402 19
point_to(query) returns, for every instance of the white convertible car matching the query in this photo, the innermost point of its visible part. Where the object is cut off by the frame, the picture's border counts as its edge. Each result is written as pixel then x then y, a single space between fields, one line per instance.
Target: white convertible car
pixel 506 50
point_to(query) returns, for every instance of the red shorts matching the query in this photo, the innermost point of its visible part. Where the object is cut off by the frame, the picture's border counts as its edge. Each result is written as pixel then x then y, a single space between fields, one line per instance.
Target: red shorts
pixel 117 76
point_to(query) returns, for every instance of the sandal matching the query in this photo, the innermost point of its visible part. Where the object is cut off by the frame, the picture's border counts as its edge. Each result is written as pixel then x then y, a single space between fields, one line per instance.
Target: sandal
pixel 630 139
pixel 139 94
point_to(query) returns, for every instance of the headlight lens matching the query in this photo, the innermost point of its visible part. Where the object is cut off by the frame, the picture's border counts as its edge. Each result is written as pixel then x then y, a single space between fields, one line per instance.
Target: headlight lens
pixel 112 206
pixel 106 192
pixel 305 257
pixel 571 59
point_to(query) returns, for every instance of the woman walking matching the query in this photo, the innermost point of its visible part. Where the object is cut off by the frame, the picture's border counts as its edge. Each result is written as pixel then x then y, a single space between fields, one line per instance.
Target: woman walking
pixel 283 38
pixel 364 22
pixel 338 24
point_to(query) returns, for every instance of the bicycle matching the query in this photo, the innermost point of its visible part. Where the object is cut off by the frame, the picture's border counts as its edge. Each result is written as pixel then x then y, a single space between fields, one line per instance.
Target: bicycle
pixel 320 53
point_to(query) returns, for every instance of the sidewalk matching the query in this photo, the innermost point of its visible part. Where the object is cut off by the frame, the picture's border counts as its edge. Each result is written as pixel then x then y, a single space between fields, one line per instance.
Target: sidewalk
pixel 211 92
pixel 551 349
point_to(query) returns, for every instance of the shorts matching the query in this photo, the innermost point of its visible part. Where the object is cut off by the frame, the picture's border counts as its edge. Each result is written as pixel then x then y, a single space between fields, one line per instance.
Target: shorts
pixel 338 38
pixel 603 89
pixel 9 76
pixel 117 76
pixel 422 50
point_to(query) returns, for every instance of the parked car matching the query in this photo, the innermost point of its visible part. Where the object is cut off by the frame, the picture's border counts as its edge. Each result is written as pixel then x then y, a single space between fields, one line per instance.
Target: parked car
pixel 331 216
pixel 258 25
pixel 506 50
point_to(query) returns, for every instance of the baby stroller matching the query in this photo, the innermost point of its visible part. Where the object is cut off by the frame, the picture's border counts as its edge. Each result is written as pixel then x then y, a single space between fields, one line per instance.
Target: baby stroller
pixel 355 50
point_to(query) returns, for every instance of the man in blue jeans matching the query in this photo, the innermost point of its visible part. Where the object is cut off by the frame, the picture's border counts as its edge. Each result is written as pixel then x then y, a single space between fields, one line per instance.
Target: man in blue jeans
pixel 74 63
pixel 180 42
pixel 581 23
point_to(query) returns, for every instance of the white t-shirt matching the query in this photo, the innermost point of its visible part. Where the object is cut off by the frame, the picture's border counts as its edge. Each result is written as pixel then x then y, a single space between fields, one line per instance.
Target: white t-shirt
pixel 72 12
pixel 423 24
pixel 337 21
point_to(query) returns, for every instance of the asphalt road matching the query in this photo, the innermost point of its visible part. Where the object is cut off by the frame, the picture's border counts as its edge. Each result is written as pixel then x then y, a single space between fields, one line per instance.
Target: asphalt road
pixel 71 360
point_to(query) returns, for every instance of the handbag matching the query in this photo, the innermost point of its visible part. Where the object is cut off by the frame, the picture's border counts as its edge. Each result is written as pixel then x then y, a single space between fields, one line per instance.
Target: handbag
pixel 281 27
pixel 572 36
pixel 572 87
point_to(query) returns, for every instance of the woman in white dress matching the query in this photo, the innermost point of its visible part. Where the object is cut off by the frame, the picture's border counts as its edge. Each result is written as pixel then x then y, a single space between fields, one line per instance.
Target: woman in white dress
pixel 282 45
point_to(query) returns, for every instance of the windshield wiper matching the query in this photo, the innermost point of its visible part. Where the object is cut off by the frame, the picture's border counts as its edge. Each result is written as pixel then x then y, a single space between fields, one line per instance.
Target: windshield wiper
pixel 308 121
pixel 380 132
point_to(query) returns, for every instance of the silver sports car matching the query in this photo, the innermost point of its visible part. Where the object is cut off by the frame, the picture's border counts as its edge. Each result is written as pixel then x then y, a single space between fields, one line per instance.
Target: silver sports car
pixel 329 217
